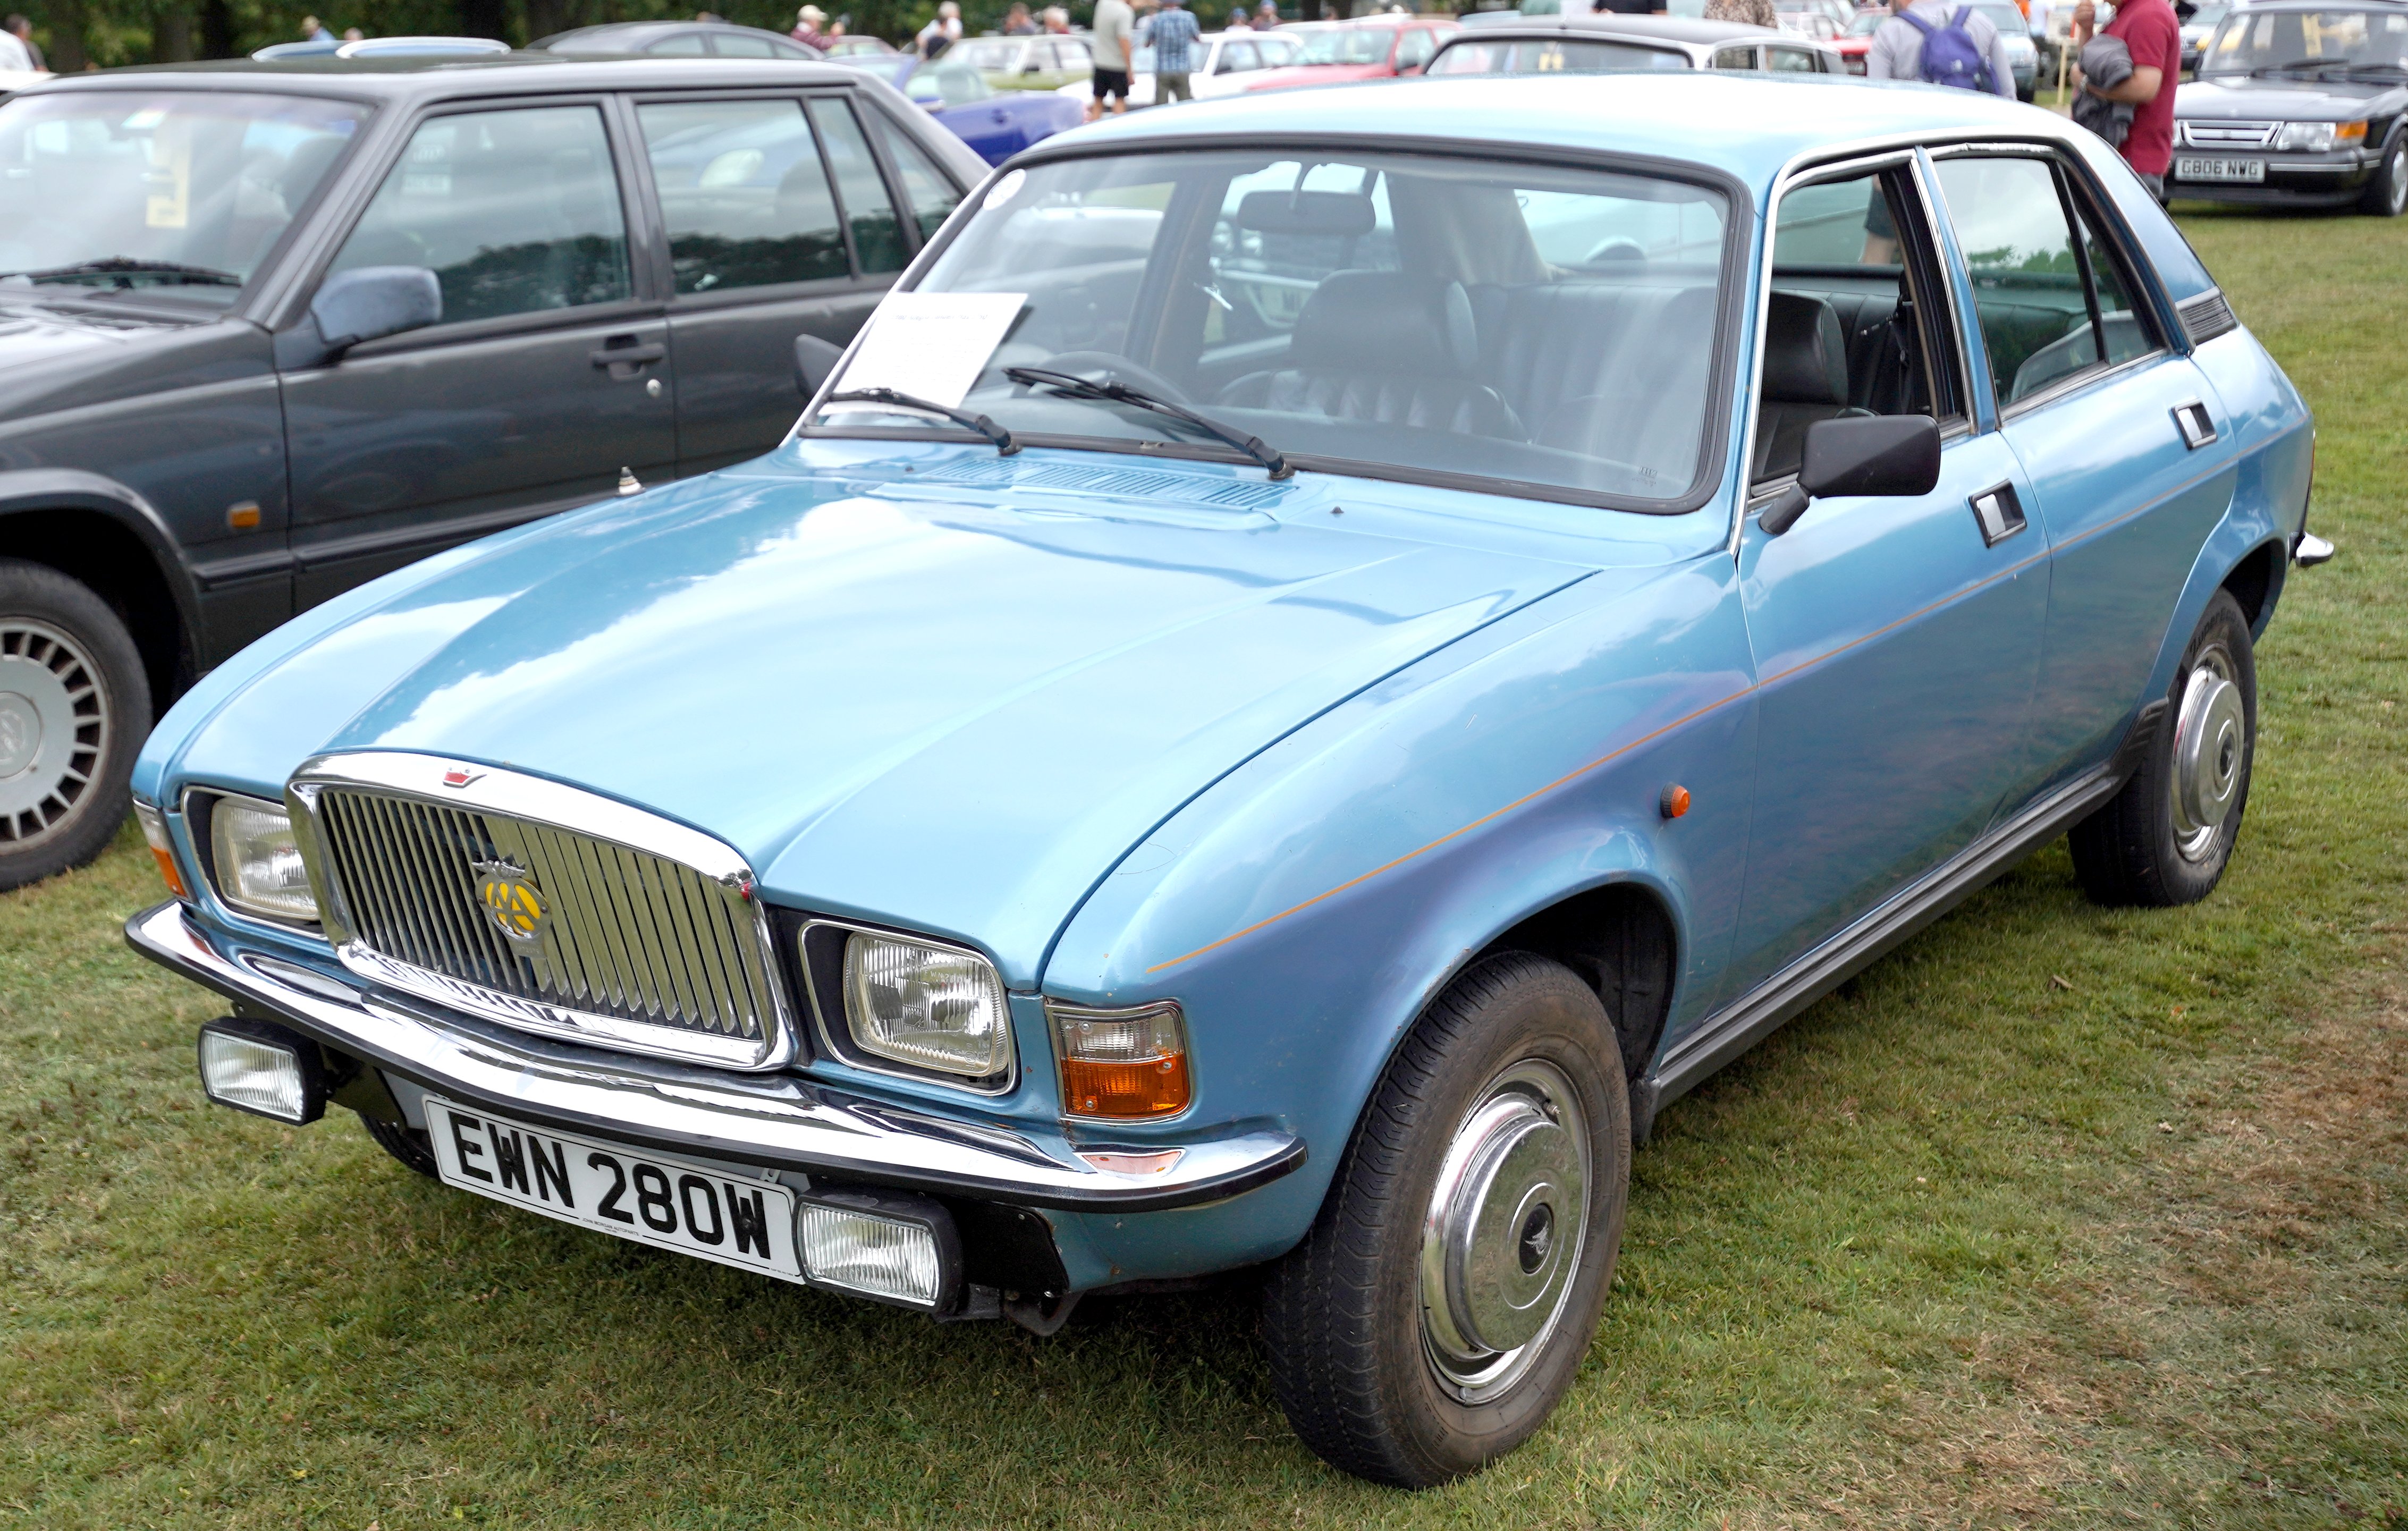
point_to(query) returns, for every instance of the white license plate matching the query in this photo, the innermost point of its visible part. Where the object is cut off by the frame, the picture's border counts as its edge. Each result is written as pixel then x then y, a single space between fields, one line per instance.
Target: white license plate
pixel 2189 167
pixel 659 1201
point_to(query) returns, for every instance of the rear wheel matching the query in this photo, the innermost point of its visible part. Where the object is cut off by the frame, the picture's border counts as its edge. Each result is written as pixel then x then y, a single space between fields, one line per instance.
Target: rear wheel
pixel 1440 1307
pixel 74 707
pixel 2165 838
pixel 2387 195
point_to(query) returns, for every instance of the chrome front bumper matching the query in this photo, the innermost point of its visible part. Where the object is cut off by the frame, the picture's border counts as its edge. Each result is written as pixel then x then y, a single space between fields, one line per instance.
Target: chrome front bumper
pixel 772 1119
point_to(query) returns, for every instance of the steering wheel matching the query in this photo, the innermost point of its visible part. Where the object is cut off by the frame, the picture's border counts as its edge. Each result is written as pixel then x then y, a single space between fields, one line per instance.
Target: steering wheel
pixel 1105 367
pixel 1618 248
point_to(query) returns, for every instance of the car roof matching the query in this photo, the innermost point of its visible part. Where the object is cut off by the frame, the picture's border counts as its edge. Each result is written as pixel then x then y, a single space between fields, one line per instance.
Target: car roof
pixel 1747 124
pixel 410 79
pixel 1667 28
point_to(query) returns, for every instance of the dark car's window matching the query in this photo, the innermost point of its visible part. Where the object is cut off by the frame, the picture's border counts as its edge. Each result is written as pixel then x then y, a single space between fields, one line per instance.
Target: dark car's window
pixel 514 211
pixel 1855 323
pixel 204 182
pixel 877 232
pixel 1553 56
pixel 1463 318
pixel 932 196
pixel 2048 310
pixel 2310 41
pixel 743 193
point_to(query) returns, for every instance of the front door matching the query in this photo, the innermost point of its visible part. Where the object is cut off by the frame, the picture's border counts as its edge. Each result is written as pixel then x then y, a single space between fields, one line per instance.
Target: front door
pixel 753 194
pixel 2127 443
pixel 546 377
pixel 1896 640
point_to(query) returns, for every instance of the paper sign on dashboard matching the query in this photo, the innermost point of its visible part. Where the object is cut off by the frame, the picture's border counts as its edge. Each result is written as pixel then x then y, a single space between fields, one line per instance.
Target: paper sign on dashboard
pixel 931 344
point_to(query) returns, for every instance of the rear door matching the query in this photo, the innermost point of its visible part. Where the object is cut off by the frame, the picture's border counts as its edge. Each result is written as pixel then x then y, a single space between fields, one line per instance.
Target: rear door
pixel 548 374
pixel 780 223
pixel 2129 455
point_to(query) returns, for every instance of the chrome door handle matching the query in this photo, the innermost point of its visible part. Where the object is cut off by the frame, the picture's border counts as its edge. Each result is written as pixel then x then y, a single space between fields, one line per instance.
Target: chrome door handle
pixel 1999 512
pixel 2196 425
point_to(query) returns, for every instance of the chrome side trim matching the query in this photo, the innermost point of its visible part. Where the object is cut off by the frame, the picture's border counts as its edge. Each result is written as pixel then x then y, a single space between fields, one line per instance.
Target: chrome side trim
pixel 1739 1025
pixel 614 946
pixel 776 1121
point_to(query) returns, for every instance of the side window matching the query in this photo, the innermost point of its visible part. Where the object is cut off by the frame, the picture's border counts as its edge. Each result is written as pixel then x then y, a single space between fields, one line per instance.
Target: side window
pixel 1237 58
pixel 876 233
pixel 1795 61
pixel 744 194
pixel 932 196
pixel 514 211
pixel 1848 330
pixel 2043 317
pixel 734 45
pixel 684 45
pixel 1415 50
pixel 1736 58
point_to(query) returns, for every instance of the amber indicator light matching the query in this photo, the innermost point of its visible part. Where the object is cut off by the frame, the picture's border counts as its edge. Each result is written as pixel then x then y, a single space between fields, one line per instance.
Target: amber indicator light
pixel 243 515
pixel 1675 801
pixel 1122 1066
pixel 155 832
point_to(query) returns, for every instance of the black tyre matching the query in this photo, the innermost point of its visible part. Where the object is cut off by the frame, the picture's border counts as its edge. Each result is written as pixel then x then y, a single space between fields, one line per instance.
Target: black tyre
pixel 2387 195
pixel 408 1144
pixel 1440 1307
pixel 75 705
pixel 2165 837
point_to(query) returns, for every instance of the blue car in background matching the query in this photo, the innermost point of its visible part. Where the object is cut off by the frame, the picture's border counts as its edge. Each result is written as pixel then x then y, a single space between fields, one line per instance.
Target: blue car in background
pixel 997 123
pixel 1322 659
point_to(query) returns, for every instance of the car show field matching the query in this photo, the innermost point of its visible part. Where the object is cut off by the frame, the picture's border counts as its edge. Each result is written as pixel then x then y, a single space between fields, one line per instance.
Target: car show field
pixel 2059 1215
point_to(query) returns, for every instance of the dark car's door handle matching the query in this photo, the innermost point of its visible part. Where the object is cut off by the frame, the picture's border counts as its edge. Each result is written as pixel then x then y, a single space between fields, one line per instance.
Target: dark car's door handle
pixel 625 362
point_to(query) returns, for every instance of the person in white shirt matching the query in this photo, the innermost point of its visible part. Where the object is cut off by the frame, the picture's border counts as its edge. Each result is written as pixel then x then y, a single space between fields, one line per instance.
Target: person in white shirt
pixel 941 32
pixel 13 56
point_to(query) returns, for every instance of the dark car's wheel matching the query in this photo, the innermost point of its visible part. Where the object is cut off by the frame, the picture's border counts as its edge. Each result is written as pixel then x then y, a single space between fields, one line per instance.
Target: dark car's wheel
pixel 2387 195
pixel 1438 1311
pixel 408 1144
pixel 74 707
pixel 2165 838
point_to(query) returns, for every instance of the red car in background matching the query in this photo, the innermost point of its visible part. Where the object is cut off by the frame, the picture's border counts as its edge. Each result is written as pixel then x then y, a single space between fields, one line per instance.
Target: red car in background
pixel 1857 40
pixel 1369 48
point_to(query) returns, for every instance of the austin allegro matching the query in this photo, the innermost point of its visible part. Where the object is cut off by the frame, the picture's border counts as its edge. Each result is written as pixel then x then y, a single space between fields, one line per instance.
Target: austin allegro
pixel 1306 675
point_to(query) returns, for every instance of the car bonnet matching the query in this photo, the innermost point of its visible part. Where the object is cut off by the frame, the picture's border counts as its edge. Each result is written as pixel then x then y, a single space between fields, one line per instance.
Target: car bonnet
pixel 926 705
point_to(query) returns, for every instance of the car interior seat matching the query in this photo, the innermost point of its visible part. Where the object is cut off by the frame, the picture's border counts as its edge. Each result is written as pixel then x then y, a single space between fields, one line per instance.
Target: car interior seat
pixel 1805 379
pixel 1384 348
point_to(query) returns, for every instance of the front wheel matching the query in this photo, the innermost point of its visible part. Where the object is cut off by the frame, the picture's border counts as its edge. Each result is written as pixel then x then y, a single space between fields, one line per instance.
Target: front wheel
pixel 1440 1307
pixel 2387 195
pixel 74 707
pixel 2165 838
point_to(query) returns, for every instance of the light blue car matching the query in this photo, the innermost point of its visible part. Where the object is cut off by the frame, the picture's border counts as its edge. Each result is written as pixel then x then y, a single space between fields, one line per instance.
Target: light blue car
pixel 1308 675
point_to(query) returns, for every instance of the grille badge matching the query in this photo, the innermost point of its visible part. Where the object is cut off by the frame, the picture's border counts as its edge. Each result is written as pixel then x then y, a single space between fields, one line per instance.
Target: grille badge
pixel 512 900
pixel 457 777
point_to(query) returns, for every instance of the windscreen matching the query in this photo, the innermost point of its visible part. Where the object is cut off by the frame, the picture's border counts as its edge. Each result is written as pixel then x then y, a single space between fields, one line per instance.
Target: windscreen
pixel 1414 315
pixel 1552 55
pixel 2310 42
pixel 180 194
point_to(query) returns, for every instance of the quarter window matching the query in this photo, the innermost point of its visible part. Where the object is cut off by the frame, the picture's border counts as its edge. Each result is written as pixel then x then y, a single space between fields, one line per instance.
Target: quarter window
pixel 744 194
pixel 514 212
pixel 2051 305
pixel 932 196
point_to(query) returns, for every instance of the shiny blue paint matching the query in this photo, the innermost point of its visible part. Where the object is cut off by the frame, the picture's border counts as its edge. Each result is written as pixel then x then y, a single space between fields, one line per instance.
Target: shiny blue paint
pixel 1295 765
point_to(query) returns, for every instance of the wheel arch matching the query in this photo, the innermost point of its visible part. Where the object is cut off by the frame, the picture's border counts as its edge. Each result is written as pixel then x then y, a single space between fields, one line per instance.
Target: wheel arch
pixel 108 538
pixel 1623 939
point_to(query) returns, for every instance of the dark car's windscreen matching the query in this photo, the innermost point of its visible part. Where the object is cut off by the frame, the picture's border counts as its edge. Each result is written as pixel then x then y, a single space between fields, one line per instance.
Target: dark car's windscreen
pixel 2310 41
pixel 1460 317
pixel 181 193
pixel 1552 56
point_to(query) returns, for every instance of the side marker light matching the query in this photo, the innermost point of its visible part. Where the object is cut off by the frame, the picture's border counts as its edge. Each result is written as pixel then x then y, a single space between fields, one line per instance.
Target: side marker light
pixel 1675 801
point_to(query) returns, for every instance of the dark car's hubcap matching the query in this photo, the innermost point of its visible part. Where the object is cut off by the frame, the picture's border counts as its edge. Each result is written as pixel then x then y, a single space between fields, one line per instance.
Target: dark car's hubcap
pixel 1504 1230
pixel 53 728
pixel 2211 744
pixel 2395 180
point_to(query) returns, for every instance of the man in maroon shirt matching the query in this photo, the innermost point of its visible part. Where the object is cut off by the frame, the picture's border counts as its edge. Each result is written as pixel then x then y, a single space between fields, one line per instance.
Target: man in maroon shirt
pixel 2148 28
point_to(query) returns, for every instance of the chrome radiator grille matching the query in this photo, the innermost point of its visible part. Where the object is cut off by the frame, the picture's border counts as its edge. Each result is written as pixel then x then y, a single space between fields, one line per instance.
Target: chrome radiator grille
pixel 524 921
pixel 2228 134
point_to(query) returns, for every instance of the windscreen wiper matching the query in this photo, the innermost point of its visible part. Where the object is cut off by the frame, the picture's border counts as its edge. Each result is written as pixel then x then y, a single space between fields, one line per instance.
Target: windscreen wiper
pixel 125 266
pixel 1087 388
pixel 1004 445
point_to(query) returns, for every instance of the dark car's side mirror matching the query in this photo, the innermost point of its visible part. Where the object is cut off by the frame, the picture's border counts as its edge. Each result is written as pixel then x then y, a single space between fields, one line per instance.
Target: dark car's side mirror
pixel 815 359
pixel 1863 454
pixel 375 301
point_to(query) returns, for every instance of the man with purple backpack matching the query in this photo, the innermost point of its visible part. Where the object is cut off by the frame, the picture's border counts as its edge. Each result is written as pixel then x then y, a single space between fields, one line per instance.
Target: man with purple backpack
pixel 1940 42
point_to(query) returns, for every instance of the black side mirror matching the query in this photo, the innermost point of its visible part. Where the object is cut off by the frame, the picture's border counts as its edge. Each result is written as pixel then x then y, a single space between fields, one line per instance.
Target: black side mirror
pixel 815 359
pixel 375 301
pixel 1863 454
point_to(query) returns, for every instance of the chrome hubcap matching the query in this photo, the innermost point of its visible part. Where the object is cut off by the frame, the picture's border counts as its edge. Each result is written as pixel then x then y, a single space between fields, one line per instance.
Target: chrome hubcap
pixel 2211 749
pixel 1503 1235
pixel 53 728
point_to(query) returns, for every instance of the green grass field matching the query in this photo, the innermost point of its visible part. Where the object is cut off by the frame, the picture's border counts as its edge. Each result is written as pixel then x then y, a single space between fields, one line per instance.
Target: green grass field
pixel 2059 1216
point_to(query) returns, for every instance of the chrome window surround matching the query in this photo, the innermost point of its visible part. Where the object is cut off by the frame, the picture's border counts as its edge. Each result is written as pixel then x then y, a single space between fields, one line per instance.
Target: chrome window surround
pixel 571 811
pixel 844 1050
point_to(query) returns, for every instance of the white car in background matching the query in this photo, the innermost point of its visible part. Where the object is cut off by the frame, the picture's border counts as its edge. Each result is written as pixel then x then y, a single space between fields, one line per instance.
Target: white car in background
pixel 1223 62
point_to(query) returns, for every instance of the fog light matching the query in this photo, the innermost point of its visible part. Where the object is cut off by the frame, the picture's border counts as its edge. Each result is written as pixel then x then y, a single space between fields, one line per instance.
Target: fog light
pixel 1121 1065
pixel 264 1068
pixel 892 1247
